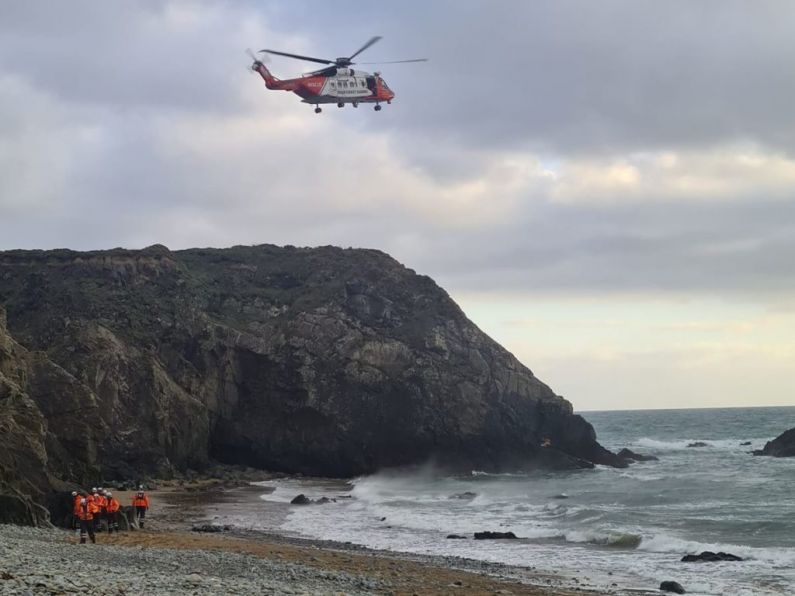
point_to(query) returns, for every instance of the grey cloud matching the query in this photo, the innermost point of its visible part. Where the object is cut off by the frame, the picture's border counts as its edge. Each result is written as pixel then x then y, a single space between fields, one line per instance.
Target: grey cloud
pixel 609 76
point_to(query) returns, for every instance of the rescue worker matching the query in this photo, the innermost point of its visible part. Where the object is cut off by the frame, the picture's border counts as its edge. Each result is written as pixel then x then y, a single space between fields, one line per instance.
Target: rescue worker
pixel 76 511
pixel 94 504
pixel 113 507
pixel 103 509
pixel 86 516
pixel 141 503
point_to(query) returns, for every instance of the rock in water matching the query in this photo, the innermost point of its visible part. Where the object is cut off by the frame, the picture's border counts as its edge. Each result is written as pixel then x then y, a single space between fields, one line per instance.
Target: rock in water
pixel 710 557
pixel 671 586
pixel 698 444
pixel 632 456
pixel 301 499
pixel 781 446
pixel 322 361
pixel 495 536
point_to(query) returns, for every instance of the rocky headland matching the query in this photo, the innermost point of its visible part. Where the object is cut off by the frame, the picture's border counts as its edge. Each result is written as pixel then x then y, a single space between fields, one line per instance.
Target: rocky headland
pixel 782 446
pixel 116 364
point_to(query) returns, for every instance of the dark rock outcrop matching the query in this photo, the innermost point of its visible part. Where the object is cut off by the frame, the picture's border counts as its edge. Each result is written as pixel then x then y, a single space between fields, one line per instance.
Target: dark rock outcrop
pixel 698 444
pixel 121 364
pixel 632 456
pixel 210 528
pixel 301 499
pixel 495 536
pixel 710 557
pixel 782 446
pixel 671 586
pixel 456 537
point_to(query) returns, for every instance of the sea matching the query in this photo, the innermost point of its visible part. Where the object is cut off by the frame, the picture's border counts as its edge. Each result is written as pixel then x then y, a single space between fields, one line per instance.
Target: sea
pixel 605 526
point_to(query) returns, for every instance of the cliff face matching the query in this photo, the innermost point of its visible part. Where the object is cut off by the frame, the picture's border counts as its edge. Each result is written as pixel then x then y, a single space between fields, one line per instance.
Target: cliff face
pixel 322 361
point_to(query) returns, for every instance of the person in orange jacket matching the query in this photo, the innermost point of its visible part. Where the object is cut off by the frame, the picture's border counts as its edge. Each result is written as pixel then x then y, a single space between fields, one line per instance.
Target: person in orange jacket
pixel 141 503
pixel 76 511
pixel 113 512
pixel 86 517
pixel 95 504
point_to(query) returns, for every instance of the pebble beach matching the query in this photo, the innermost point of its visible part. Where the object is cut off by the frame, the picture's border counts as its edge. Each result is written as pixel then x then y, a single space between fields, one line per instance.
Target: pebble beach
pixel 49 561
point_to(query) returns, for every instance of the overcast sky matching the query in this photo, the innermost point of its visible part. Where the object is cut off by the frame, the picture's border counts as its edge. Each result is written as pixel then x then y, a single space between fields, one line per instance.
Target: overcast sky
pixel 606 187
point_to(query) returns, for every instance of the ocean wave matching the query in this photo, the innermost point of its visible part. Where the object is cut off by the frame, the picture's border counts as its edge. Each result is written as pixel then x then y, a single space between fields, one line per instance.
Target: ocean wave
pixel 611 539
pixel 663 543
pixel 729 444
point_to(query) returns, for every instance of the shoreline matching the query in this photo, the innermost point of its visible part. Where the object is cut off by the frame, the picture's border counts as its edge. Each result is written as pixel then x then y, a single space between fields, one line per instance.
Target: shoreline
pixel 50 561
pixel 176 509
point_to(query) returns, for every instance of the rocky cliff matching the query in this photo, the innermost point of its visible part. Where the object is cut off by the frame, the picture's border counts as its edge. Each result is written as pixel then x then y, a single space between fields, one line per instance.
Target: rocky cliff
pixel 782 446
pixel 321 361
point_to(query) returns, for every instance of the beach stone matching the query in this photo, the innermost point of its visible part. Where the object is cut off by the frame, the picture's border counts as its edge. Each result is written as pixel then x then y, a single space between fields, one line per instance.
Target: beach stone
pixel 672 586
pixel 495 536
pixel 710 557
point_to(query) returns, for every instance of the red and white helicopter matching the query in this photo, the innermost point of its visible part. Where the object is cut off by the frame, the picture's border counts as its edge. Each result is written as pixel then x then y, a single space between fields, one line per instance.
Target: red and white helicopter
pixel 337 83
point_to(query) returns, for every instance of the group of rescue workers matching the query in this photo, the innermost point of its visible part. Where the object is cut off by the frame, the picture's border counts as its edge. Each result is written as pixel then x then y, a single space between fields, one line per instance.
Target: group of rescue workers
pixel 99 510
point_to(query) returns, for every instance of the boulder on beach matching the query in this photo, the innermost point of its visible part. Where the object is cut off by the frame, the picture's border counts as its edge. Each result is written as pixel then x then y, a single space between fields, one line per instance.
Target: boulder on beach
pixel 210 528
pixel 632 456
pixel 495 536
pixel 698 444
pixel 710 557
pixel 671 586
pixel 782 446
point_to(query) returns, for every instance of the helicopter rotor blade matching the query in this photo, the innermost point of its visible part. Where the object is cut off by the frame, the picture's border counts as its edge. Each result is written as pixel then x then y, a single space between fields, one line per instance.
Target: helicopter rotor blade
pixel 364 47
pixel 299 57
pixel 396 61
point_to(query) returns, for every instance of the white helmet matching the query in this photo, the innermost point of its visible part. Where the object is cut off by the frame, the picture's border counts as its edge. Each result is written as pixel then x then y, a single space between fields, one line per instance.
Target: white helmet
pixel 83 501
pixel 94 489
pixel 108 493
pixel 74 493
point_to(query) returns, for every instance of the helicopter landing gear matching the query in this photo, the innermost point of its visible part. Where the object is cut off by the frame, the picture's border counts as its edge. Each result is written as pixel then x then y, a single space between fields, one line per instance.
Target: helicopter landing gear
pixel 377 108
pixel 340 105
pixel 318 109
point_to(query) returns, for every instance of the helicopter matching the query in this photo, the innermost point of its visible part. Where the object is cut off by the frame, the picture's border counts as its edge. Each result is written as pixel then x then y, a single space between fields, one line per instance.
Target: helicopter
pixel 335 83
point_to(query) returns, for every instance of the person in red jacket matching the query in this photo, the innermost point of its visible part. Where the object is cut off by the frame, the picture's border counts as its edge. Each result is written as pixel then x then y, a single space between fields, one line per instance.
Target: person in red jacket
pixel 76 511
pixel 86 517
pixel 141 503
pixel 113 512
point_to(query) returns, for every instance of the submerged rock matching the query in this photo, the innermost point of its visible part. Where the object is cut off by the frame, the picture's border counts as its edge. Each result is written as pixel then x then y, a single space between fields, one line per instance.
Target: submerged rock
pixel 495 536
pixel 671 586
pixel 781 446
pixel 698 444
pixel 301 500
pixel 456 537
pixel 466 496
pixel 632 456
pixel 710 557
